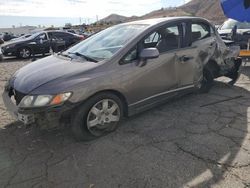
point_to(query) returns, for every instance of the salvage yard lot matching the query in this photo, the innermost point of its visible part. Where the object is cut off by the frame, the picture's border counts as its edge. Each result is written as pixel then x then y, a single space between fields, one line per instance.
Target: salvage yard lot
pixel 195 141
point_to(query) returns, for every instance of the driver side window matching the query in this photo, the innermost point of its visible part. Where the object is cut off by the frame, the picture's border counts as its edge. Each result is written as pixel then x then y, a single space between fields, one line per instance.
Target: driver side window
pixel 164 39
pixel 41 36
pixel 131 56
pixel 153 38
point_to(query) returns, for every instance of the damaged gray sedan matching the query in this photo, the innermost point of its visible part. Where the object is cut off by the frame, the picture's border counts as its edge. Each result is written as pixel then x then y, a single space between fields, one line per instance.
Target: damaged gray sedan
pixel 119 72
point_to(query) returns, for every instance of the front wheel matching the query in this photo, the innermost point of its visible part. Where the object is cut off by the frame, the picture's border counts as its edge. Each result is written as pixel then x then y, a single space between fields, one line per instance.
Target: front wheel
pixel 24 53
pixel 97 117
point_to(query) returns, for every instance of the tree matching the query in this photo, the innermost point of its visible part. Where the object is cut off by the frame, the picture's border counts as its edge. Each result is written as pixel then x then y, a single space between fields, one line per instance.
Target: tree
pixel 68 25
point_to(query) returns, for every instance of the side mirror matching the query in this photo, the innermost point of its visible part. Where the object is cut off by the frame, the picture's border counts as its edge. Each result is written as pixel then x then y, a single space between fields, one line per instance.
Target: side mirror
pixel 149 53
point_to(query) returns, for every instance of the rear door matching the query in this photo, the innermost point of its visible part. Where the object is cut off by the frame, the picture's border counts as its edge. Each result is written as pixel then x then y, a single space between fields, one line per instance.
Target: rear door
pixel 63 36
pixel 198 48
pixel 58 41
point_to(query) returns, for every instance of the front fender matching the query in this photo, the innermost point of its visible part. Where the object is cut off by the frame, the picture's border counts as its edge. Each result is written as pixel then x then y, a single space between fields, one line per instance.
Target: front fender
pixel 82 88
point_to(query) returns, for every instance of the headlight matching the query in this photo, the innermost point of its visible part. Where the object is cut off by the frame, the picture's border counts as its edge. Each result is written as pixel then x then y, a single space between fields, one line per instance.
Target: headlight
pixel 44 100
pixel 27 101
pixel 10 46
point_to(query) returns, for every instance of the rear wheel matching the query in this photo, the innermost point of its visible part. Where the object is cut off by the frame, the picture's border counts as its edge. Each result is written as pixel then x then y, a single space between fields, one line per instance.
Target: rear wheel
pixel 207 81
pixel 24 53
pixel 234 73
pixel 97 117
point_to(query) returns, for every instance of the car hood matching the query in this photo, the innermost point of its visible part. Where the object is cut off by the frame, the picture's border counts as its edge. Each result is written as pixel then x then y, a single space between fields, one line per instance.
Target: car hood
pixel 46 70
pixel 17 41
pixel 12 42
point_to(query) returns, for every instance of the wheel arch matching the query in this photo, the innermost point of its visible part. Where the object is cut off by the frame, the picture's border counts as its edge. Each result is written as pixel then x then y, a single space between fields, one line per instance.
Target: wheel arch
pixel 118 94
pixel 213 67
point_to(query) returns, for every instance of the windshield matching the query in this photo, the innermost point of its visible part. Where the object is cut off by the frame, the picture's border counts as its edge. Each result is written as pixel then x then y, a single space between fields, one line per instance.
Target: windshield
pixel 229 24
pixel 106 43
pixel 33 35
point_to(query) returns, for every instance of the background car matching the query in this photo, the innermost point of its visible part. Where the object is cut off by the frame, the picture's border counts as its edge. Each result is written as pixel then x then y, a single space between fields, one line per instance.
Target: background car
pixel 8 36
pixel 70 31
pixel 242 32
pixel 40 43
pixel 1 55
pixel 1 41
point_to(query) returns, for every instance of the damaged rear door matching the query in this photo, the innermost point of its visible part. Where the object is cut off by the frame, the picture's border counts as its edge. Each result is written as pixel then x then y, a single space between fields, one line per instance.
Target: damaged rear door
pixel 199 46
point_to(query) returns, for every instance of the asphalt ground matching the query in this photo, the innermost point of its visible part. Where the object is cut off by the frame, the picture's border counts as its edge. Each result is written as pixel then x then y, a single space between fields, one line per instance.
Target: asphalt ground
pixel 199 140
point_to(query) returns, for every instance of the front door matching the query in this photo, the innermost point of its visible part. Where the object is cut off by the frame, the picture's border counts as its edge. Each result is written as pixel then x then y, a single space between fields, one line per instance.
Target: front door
pixel 42 44
pixel 157 78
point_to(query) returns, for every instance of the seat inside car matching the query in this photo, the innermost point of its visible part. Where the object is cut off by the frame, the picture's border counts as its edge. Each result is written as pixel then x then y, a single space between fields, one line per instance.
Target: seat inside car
pixel 196 35
pixel 168 41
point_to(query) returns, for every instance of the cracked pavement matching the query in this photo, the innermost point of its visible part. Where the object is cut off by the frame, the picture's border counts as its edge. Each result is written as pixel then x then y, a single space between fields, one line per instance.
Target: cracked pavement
pixel 194 141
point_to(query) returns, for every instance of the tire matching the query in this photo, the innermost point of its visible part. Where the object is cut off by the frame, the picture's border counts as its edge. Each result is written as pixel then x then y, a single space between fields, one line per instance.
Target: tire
pixel 207 81
pixel 92 120
pixel 24 53
pixel 234 73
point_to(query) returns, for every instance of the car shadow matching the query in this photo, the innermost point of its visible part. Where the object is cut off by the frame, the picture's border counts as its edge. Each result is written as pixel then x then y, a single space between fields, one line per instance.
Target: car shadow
pixel 189 142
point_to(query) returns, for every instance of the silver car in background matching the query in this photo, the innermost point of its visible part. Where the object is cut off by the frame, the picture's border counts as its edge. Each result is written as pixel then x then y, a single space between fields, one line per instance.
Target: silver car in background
pixel 119 72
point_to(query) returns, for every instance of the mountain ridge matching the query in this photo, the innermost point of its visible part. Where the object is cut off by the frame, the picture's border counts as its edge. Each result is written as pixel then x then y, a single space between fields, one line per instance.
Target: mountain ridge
pixel 209 9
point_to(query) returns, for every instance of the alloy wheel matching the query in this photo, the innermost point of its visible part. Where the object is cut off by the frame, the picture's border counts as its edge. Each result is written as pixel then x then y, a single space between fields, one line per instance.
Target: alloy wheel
pixel 25 53
pixel 103 116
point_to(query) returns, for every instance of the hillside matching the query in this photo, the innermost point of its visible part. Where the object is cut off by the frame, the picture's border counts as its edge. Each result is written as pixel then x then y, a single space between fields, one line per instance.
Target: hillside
pixel 209 9
pixel 114 18
pixel 169 12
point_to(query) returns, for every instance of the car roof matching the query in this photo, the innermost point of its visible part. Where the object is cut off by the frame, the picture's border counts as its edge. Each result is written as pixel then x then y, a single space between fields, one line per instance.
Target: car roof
pixel 156 21
pixel 58 31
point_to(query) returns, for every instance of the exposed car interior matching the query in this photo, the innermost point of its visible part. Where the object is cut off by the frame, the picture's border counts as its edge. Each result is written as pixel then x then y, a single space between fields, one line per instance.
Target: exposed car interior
pixel 168 41
pixel 199 31
pixel 196 35
pixel 164 40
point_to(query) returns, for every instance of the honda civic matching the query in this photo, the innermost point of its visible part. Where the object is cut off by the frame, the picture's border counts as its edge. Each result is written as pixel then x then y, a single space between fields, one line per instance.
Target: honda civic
pixel 119 72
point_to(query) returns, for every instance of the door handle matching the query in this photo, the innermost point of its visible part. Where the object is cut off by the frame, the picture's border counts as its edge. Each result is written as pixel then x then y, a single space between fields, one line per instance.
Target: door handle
pixel 185 58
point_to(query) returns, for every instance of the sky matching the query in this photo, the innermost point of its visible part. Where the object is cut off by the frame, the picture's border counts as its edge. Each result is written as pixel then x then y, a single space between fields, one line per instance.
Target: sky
pixel 73 10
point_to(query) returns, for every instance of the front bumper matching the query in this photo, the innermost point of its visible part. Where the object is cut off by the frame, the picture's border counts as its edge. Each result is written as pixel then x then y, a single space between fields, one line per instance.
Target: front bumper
pixel 13 110
pixel 11 107
pixel 8 51
pixel 44 117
